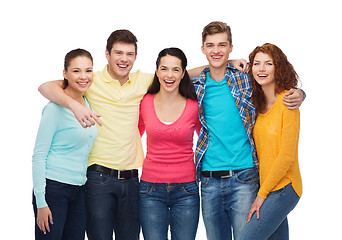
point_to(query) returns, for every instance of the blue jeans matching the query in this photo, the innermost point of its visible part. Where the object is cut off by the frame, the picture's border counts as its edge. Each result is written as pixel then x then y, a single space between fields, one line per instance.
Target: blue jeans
pixel 272 223
pixel 174 204
pixel 226 203
pixel 112 205
pixel 67 205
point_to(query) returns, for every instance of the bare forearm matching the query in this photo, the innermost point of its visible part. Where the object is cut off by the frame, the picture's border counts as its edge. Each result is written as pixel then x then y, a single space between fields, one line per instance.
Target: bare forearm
pixel 53 91
pixel 195 72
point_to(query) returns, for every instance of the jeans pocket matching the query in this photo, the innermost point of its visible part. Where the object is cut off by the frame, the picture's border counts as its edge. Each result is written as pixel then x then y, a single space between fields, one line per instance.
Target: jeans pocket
pixel 249 175
pixel 96 178
pixel 204 181
pixel 145 188
pixel 190 188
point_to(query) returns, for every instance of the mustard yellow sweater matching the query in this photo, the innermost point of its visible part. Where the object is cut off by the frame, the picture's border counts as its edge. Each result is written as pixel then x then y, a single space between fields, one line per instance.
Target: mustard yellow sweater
pixel 276 136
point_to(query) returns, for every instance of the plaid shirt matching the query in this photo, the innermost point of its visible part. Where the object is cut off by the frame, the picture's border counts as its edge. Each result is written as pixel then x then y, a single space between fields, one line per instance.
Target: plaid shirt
pixel 241 89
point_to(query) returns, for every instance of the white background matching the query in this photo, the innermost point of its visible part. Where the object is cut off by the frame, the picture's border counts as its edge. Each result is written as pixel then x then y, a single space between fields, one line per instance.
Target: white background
pixel 35 36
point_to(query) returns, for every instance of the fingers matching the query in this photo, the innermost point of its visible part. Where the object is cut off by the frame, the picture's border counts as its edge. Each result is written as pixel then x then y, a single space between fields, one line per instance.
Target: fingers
pixel 89 120
pixel 43 225
pixel 258 213
pixel 292 100
pixel 44 218
pixel 250 214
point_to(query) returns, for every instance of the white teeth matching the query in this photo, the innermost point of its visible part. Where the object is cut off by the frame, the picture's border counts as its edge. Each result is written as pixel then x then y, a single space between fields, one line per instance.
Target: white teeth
pixel 122 66
pixel 169 81
pixel 82 83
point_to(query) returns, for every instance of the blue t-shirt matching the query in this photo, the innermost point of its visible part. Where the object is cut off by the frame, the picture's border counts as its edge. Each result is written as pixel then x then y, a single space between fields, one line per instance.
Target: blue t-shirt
pixel 229 147
pixel 61 150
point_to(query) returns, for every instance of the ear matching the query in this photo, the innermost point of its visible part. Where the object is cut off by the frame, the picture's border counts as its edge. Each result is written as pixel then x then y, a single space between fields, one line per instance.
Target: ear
pixel 202 48
pixel 64 74
pixel 183 73
pixel 107 55
pixel 231 48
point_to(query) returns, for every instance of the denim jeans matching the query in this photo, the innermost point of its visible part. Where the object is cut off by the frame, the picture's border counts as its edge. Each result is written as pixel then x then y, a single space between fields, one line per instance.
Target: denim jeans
pixel 67 205
pixel 112 205
pixel 226 203
pixel 174 204
pixel 272 223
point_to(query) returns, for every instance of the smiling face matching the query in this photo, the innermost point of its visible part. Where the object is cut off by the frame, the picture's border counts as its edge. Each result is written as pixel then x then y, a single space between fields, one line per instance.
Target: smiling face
pixel 217 48
pixel 79 74
pixel 120 60
pixel 263 70
pixel 170 73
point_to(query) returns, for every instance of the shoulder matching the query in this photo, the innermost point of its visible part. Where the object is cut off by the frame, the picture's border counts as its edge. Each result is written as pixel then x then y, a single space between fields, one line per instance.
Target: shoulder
pixel 147 99
pixel 286 112
pixel 52 107
pixel 142 77
pixel 192 103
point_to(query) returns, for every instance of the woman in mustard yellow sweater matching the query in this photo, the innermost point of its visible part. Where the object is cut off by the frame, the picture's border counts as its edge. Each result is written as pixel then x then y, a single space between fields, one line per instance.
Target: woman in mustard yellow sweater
pixel 276 133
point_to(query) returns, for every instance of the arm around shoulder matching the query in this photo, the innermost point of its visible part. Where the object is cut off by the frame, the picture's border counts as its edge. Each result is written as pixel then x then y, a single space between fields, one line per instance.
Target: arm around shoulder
pixel 54 92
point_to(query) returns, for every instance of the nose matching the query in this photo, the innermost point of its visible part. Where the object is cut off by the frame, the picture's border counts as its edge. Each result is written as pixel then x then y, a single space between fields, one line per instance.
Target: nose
pixel 262 68
pixel 169 73
pixel 83 75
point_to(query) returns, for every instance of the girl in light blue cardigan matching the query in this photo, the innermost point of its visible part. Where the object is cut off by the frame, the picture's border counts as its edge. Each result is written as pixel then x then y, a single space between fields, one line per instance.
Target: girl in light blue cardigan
pixel 60 158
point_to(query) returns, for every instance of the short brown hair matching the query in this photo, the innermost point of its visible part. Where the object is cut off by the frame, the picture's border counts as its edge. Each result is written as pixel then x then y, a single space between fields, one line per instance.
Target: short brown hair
pixel 216 27
pixel 122 35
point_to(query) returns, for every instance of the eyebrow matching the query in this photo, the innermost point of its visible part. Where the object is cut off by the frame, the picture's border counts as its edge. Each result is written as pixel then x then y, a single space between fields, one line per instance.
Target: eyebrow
pixel 255 60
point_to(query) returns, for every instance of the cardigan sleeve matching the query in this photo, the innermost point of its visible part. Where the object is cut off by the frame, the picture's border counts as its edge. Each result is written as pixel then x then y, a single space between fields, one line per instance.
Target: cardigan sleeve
pixel 287 152
pixel 47 128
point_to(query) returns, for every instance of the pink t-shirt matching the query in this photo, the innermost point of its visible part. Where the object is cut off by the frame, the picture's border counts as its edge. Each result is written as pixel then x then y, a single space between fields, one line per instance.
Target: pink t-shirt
pixel 170 155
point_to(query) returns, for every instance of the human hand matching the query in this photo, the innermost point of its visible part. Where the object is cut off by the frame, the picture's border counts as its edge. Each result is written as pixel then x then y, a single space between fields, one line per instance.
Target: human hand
pixel 85 116
pixel 255 208
pixel 240 64
pixel 44 217
pixel 293 98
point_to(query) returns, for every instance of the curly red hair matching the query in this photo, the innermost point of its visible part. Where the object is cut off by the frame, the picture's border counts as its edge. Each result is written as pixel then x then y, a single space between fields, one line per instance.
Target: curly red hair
pixel 284 74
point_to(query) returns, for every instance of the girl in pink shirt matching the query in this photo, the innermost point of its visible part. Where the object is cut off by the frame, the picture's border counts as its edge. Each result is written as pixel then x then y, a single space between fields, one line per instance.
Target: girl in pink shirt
pixel 169 115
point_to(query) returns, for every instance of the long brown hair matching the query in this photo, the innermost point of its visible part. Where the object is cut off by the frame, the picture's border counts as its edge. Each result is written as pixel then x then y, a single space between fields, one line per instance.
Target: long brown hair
pixel 186 89
pixel 284 74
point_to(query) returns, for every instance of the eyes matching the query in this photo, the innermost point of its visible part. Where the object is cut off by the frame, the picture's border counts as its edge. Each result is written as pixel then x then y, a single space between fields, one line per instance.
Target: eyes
pixel 211 45
pixel 89 70
pixel 175 69
pixel 267 64
pixel 119 53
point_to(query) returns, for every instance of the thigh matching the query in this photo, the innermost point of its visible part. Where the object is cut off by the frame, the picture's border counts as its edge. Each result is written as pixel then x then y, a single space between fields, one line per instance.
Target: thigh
pixel 75 224
pixel 184 212
pixel 243 191
pixel 273 212
pixel 282 232
pixel 215 218
pixel 126 220
pixel 56 196
pixel 100 206
pixel 154 212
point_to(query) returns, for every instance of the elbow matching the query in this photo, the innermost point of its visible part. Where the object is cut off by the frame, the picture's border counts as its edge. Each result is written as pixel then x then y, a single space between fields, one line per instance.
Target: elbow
pixel 41 88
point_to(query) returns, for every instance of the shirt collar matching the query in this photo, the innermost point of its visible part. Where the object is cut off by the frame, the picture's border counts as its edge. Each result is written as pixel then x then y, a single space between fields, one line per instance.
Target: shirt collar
pixel 108 78
pixel 202 77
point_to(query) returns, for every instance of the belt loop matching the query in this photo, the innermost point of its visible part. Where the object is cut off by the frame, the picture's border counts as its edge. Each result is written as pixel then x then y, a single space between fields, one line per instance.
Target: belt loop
pixel 119 175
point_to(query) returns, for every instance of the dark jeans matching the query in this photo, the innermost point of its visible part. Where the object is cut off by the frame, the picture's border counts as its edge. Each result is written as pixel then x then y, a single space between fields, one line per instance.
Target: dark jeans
pixel 67 205
pixel 112 205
